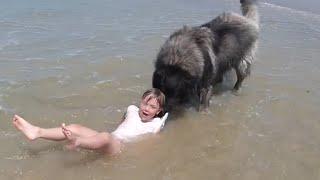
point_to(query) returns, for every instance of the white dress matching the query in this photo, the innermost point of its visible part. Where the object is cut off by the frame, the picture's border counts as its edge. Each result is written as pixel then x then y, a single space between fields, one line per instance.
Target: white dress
pixel 132 126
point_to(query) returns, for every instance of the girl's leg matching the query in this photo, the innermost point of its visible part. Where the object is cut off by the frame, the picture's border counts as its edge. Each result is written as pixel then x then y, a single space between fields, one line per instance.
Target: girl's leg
pixel 33 132
pixel 100 141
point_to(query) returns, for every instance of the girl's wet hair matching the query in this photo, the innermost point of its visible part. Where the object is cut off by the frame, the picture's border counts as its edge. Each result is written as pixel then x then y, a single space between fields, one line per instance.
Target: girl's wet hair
pixel 158 95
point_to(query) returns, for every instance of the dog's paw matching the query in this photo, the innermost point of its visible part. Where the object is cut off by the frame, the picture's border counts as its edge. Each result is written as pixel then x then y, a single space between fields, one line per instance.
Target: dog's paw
pixel 236 92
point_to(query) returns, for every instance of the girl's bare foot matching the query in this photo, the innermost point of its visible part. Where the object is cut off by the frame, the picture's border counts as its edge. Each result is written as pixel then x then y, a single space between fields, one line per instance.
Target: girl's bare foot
pixel 30 131
pixel 73 143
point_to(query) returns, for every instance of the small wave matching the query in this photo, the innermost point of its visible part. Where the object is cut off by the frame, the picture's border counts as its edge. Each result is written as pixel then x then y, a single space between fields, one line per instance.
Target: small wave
pixel 9 42
pixel 5 109
pixel 106 83
pixel 8 134
pixel 58 68
pixel 102 82
pixel 75 52
pixel 65 80
pixel 66 96
pixel 7 82
pixel 36 28
pixel 17 157
pixel 135 89
pixel 34 59
pixel 295 11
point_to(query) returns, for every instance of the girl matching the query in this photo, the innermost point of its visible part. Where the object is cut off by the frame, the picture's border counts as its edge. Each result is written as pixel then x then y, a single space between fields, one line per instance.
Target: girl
pixel 137 121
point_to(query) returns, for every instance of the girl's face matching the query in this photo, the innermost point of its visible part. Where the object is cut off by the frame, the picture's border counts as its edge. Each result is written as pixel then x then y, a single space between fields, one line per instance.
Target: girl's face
pixel 149 108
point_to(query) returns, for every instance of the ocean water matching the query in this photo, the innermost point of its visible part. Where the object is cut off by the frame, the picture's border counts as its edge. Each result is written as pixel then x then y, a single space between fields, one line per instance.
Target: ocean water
pixel 86 61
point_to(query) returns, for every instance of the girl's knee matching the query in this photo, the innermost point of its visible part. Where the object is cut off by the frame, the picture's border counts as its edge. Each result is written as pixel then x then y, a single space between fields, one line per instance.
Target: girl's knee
pixel 106 136
pixel 81 130
pixel 74 127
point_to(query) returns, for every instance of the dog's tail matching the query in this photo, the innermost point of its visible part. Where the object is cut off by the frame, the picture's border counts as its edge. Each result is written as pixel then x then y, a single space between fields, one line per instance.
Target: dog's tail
pixel 250 10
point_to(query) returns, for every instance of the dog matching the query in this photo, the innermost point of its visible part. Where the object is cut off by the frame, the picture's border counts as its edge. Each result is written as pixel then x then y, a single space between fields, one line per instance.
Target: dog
pixel 194 59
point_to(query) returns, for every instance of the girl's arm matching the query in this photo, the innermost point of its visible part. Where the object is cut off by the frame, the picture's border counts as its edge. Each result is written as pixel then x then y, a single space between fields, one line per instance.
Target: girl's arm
pixel 125 114
pixel 123 118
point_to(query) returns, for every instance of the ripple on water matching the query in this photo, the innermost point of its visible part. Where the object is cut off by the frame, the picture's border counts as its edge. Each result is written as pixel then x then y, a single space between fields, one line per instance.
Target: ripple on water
pixel 8 134
pixel 135 89
pixel 293 11
pixel 106 83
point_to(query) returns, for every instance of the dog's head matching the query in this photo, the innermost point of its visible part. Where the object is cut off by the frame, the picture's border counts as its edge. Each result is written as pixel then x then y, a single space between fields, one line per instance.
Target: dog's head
pixel 178 85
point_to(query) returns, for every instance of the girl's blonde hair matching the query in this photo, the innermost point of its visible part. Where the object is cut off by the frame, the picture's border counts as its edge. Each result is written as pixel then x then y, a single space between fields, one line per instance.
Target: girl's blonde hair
pixel 159 96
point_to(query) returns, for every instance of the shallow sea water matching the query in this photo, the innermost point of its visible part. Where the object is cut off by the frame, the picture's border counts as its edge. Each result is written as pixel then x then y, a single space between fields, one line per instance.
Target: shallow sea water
pixel 84 62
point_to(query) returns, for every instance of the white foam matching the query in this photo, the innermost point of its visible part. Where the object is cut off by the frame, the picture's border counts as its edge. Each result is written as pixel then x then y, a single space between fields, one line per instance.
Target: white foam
pixel 74 52
pixel 9 42
pixel 6 134
pixel 34 59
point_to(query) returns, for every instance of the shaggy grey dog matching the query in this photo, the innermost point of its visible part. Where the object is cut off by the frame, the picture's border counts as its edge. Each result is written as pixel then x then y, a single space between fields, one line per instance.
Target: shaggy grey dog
pixel 193 60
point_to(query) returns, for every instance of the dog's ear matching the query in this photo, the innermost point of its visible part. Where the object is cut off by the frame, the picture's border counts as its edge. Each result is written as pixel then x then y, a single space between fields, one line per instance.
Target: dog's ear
pixel 158 79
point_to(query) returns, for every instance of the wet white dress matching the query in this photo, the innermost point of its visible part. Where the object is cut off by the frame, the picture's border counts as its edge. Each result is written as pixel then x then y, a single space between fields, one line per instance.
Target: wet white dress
pixel 132 126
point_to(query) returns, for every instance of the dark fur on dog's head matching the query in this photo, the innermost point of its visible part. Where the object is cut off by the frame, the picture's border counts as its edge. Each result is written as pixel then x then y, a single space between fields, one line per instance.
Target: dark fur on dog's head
pixel 178 85
pixel 181 65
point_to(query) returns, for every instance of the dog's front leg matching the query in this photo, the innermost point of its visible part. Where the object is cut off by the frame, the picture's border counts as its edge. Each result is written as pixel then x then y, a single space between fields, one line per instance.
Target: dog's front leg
pixel 205 95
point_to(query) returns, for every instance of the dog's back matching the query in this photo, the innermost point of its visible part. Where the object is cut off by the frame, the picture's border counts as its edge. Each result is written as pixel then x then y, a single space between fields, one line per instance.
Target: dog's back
pixel 186 49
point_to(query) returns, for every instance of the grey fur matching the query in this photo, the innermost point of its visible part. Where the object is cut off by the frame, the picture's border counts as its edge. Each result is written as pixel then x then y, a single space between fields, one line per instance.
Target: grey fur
pixel 182 50
pixel 194 59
